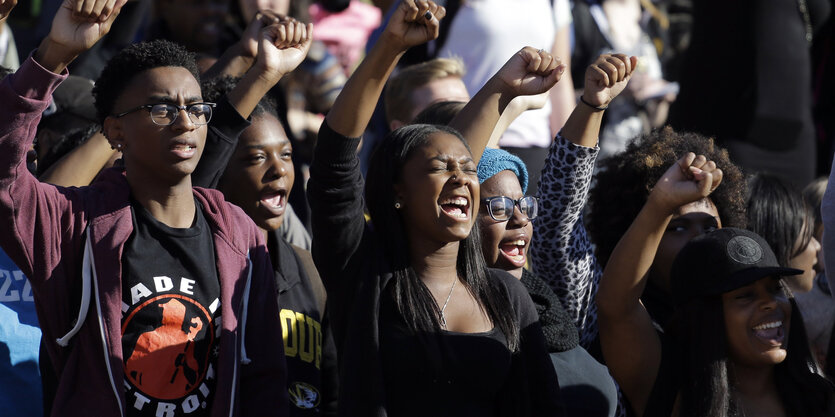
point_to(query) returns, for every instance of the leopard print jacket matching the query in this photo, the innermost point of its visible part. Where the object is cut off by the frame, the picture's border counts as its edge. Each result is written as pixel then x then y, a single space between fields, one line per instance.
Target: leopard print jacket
pixel 561 252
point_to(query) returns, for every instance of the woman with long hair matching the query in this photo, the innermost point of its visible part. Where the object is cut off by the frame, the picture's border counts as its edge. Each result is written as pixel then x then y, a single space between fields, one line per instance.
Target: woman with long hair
pixel 736 345
pixel 779 214
pixel 421 325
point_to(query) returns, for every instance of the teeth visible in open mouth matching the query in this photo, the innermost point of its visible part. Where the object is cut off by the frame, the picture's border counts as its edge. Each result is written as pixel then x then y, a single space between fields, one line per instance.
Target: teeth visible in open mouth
pixel 519 242
pixel 458 201
pixel 276 201
pixel 771 325
pixel 184 147
pixel 456 207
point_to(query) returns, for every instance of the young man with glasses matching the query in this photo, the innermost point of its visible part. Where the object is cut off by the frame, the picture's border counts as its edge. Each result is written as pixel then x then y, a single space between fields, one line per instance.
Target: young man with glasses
pixel 132 275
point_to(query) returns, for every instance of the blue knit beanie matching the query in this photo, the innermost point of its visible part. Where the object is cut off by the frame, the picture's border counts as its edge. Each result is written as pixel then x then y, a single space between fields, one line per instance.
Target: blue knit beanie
pixel 494 161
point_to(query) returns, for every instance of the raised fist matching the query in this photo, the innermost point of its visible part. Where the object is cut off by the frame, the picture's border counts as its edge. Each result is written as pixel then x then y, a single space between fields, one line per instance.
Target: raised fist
pixel 414 22
pixel 283 46
pixel 692 178
pixel 607 77
pixel 531 71
pixel 79 24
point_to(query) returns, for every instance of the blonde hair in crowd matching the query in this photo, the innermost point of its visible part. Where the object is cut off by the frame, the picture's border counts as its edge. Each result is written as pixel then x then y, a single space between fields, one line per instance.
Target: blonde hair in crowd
pixel 399 88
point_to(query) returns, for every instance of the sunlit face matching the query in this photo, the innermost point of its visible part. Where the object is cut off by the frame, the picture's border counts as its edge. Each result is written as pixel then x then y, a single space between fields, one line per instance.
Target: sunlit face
pixel 505 244
pixel 260 173
pixel 805 261
pixel 691 220
pixel 757 321
pixel 437 191
pixel 167 153
pixel 442 89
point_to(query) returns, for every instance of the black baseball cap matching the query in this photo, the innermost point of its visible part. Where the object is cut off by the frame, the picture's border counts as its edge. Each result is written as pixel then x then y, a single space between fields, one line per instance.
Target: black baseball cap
pixel 721 261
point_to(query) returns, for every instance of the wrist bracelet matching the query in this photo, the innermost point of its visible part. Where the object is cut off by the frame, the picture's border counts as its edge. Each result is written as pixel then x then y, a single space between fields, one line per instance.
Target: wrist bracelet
pixel 591 105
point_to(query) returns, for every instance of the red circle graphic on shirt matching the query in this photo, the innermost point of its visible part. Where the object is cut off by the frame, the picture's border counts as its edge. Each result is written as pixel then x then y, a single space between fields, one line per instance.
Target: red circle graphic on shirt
pixel 164 363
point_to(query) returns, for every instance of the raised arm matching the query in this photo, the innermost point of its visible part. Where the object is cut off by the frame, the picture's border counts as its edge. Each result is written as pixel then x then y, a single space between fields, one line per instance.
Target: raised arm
pixel 413 23
pixel 81 165
pixel 335 187
pixel 605 79
pixel 77 26
pixel 631 346
pixel 527 72
pixel 561 252
pixel 239 58
pixel 281 47
pixel 31 212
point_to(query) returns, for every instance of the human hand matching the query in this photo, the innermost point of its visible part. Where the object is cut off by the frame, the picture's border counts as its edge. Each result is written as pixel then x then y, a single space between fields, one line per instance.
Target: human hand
pixel 413 23
pixel 6 7
pixel 79 24
pixel 530 72
pixel 248 45
pixel 607 77
pixel 282 47
pixel 692 178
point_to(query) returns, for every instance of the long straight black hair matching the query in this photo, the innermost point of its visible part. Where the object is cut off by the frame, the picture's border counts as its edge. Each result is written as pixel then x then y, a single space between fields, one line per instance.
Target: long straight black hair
pixel 412 298
pixel 707 381
pixel 779 214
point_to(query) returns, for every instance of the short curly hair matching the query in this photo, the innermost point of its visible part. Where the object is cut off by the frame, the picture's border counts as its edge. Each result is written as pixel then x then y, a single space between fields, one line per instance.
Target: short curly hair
pixel 136 58
pixel 626 179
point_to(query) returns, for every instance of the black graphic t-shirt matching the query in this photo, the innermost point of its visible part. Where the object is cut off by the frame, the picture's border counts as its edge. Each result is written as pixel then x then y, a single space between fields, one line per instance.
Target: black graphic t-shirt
pixel 170 317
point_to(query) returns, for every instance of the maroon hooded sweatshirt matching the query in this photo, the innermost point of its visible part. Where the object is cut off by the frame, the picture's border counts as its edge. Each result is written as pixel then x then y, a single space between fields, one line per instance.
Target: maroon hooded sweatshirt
pixel 69 242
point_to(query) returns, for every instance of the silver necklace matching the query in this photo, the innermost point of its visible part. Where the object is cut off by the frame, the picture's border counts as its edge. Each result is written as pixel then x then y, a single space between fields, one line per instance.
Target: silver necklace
pixel 443 309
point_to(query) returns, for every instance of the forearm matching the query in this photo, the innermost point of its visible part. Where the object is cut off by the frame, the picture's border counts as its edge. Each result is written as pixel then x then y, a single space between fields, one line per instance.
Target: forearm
pixel 583 125
pixel 232 63
pixel 511 112
pixel 562 95
pixel 79 167
pixel 561 251
pixel 624 277
pixel 353 107
pixel 562 103
pixel 53 57
pixel 222 137
pixel 27 207
pixel 480 117
pixel 249 91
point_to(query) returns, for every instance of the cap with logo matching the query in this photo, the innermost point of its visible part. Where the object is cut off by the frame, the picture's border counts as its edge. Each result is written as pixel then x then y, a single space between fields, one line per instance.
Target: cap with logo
pixel 721 261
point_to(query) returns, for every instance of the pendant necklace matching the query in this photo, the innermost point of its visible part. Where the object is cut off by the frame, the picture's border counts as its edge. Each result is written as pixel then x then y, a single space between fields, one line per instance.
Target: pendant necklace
pixel 443 309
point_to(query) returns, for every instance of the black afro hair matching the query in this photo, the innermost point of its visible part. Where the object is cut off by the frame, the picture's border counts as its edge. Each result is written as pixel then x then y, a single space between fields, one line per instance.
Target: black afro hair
pixel 626 179
pixel 136 58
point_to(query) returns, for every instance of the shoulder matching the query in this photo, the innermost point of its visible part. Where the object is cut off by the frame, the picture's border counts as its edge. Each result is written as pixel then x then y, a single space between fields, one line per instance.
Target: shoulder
pixel 228 219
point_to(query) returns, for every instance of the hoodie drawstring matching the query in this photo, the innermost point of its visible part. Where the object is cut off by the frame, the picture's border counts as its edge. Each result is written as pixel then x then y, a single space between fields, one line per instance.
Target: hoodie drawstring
pixel 244 359
pixel 87 272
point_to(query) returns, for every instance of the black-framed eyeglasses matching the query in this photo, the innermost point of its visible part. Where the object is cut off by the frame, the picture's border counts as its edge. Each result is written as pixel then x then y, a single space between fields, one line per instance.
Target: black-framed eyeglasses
pixel 500 208
pixel 165 114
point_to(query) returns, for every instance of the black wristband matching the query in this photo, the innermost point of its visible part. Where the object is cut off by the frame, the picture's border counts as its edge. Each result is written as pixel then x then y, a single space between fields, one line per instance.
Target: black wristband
pixel 592 106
